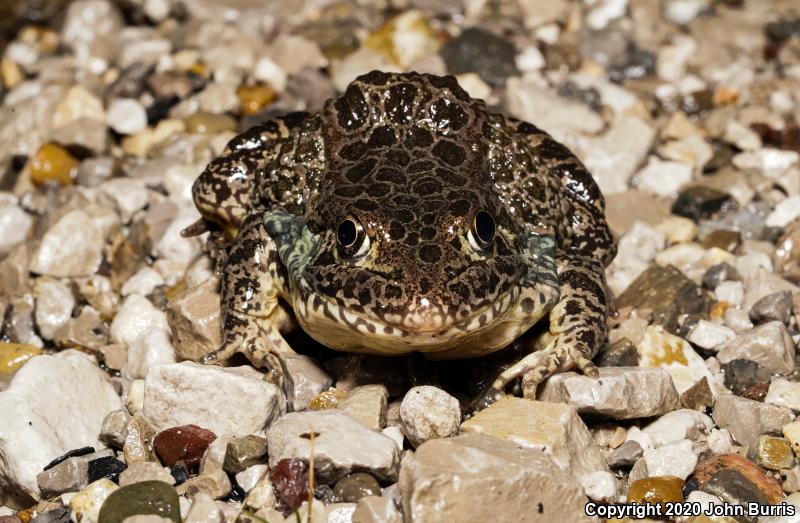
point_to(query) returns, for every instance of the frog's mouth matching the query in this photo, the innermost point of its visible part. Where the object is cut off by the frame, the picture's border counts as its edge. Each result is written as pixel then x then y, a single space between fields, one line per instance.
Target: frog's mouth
pixel 487 329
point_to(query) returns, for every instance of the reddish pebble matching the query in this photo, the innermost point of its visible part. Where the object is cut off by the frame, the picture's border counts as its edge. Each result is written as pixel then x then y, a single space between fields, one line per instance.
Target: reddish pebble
pixel 186 443
pixel 290 481
pixel 10 519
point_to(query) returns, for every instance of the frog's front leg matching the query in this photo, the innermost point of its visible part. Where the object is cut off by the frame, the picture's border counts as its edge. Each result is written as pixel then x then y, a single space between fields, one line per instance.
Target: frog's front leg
pixel 577 325
pixel 252 318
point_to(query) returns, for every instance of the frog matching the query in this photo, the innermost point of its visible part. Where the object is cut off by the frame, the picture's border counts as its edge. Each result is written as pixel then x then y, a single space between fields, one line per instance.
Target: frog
pixel 406 217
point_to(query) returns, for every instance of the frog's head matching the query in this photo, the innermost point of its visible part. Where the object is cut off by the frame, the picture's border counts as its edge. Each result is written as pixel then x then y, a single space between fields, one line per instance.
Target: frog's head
pixel 408 246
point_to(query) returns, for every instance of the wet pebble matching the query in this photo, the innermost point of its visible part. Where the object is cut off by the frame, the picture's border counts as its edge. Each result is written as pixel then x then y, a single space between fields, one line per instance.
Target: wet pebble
pixel 429 412
pixel 186 443
pixel 746 378
pixel 147 497
pixel 664 489
pixel 245 452
pixel 290 480
pixel 106 467
pixel 355 486
pixel 52 164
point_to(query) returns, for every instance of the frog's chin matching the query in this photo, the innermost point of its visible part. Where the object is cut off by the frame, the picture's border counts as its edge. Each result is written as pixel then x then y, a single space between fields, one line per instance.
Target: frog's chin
pixel 486 330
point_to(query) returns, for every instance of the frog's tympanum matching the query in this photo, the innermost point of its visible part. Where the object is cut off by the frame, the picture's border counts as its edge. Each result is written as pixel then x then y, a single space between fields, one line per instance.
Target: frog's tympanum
pixel 406 217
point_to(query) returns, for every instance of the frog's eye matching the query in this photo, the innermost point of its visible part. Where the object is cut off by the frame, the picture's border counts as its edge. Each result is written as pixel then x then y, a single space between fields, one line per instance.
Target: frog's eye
pixel 481 234
pixel 351 237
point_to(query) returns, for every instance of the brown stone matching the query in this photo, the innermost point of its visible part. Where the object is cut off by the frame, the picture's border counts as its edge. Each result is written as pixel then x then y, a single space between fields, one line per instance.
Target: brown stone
pixel 658 489
pixel 193 317
pixel 709 467
pixel 186 443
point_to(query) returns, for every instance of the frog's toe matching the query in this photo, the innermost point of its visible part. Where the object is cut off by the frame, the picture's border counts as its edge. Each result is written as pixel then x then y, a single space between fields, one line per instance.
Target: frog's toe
pixel 228 348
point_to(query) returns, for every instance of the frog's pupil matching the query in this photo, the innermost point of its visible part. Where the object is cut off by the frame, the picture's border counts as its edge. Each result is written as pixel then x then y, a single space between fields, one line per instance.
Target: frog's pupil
pixel 346 233
pixel 484 227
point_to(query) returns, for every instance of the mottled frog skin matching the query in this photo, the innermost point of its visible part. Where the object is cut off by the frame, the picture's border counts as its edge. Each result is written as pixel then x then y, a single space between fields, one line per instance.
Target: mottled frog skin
pixel 406 217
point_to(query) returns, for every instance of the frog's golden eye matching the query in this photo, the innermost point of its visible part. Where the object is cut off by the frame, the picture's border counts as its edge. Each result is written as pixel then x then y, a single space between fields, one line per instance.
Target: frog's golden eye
pixel 351 237
pixel 481 234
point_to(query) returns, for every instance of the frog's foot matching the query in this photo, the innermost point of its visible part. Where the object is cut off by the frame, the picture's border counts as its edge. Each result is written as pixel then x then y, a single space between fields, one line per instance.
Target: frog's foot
pixel 560 355
pixel 263 346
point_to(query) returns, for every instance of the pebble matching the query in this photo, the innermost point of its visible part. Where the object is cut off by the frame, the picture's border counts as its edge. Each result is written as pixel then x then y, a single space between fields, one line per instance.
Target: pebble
pixel 86 504
pixel 70 475
pixel 481 52
pixel 675 355
pixel 447 475
pixel 355 486
pixel 429 412
pixel 52 164
pixel 677 229
pixel 729 473
pixel 554 427
pixel 262 495
pixel 106 467
pixel 663 489
pixel 599 486
pixel 673 459
pixel 699 396
pixel 126 116
pixel 698 202
pixel 138 440
pixel 39 403
pixel 613 157
pixel 135 317
pixel 193 317
pixel 625 455
pixel 70 247
pixel 328 399
pixel 747 419
pixel 245 452
pixel 147 497
pixel 367 405
pixel 373 509
pixel 78 103
pixel 189 393
pixel 773 453
pixel 145 471
pixel 308 381
pixel 289 478
pixel 14 355
pixel 746 378
pixel 203 122
pixel 88 23
pixel 773 307
pixel 148 350
pixel 731 292
pixel 769 345
pixel 620 393
pixel 784 393
pixel 663 178
pixel 679 425
pixel 709 336
pixel 254 98
pixel 668 293
pixel 186 443
pixel 143 283
pixel 341 445
pixel 15 226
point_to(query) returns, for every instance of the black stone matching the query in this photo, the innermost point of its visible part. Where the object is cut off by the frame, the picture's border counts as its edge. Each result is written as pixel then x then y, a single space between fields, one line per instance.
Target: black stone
pixel 71 454
pixel 106 467
pixel 56 515
pixel 699 201
pixel 719 273
pixel 179 472
pixel 746 378
pixel 625 455
pixel 668 293
pixel 481 52
pixel 621 353
pixel 237 493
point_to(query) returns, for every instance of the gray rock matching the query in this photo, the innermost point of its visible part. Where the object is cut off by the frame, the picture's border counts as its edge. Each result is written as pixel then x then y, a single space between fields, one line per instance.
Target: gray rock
pixel 770 345
pixel 71 247
pixel 429 412
pixel 481 52
pixel 145 471
pixel 748 419
pixel 620 393
pixel 15 224
pixel 446 477
pixel 307 380
pixel 773 307
pixel 376 509
pixel 367 405
pixel 115 428
pixel 341 445
pixel 193 317
pixel 625 455
pixel 71 475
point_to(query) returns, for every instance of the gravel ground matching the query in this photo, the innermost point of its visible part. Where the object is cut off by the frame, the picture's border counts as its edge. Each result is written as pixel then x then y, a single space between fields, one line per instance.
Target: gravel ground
pixel 685 111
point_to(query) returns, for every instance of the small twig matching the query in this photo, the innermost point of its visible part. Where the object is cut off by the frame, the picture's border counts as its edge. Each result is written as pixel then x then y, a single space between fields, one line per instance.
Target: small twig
pixel 310 479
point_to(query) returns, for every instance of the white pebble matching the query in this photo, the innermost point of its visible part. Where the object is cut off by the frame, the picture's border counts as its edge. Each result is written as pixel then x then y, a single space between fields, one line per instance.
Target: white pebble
pixel 148 350
pixel 54 304
pixel 14 226
pixel 785 212
pixel 266 70
pixel 720 441
pixel 126 116
pixel 730 291
pixel 600 485
pixel 429 412
pixel 710 335
pixel 664 178
pixel 135 317
pixel 675 459
pixel 143 282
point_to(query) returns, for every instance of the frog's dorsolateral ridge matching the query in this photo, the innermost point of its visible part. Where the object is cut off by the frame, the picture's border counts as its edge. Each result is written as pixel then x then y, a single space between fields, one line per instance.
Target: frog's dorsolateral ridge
pixel 406 217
